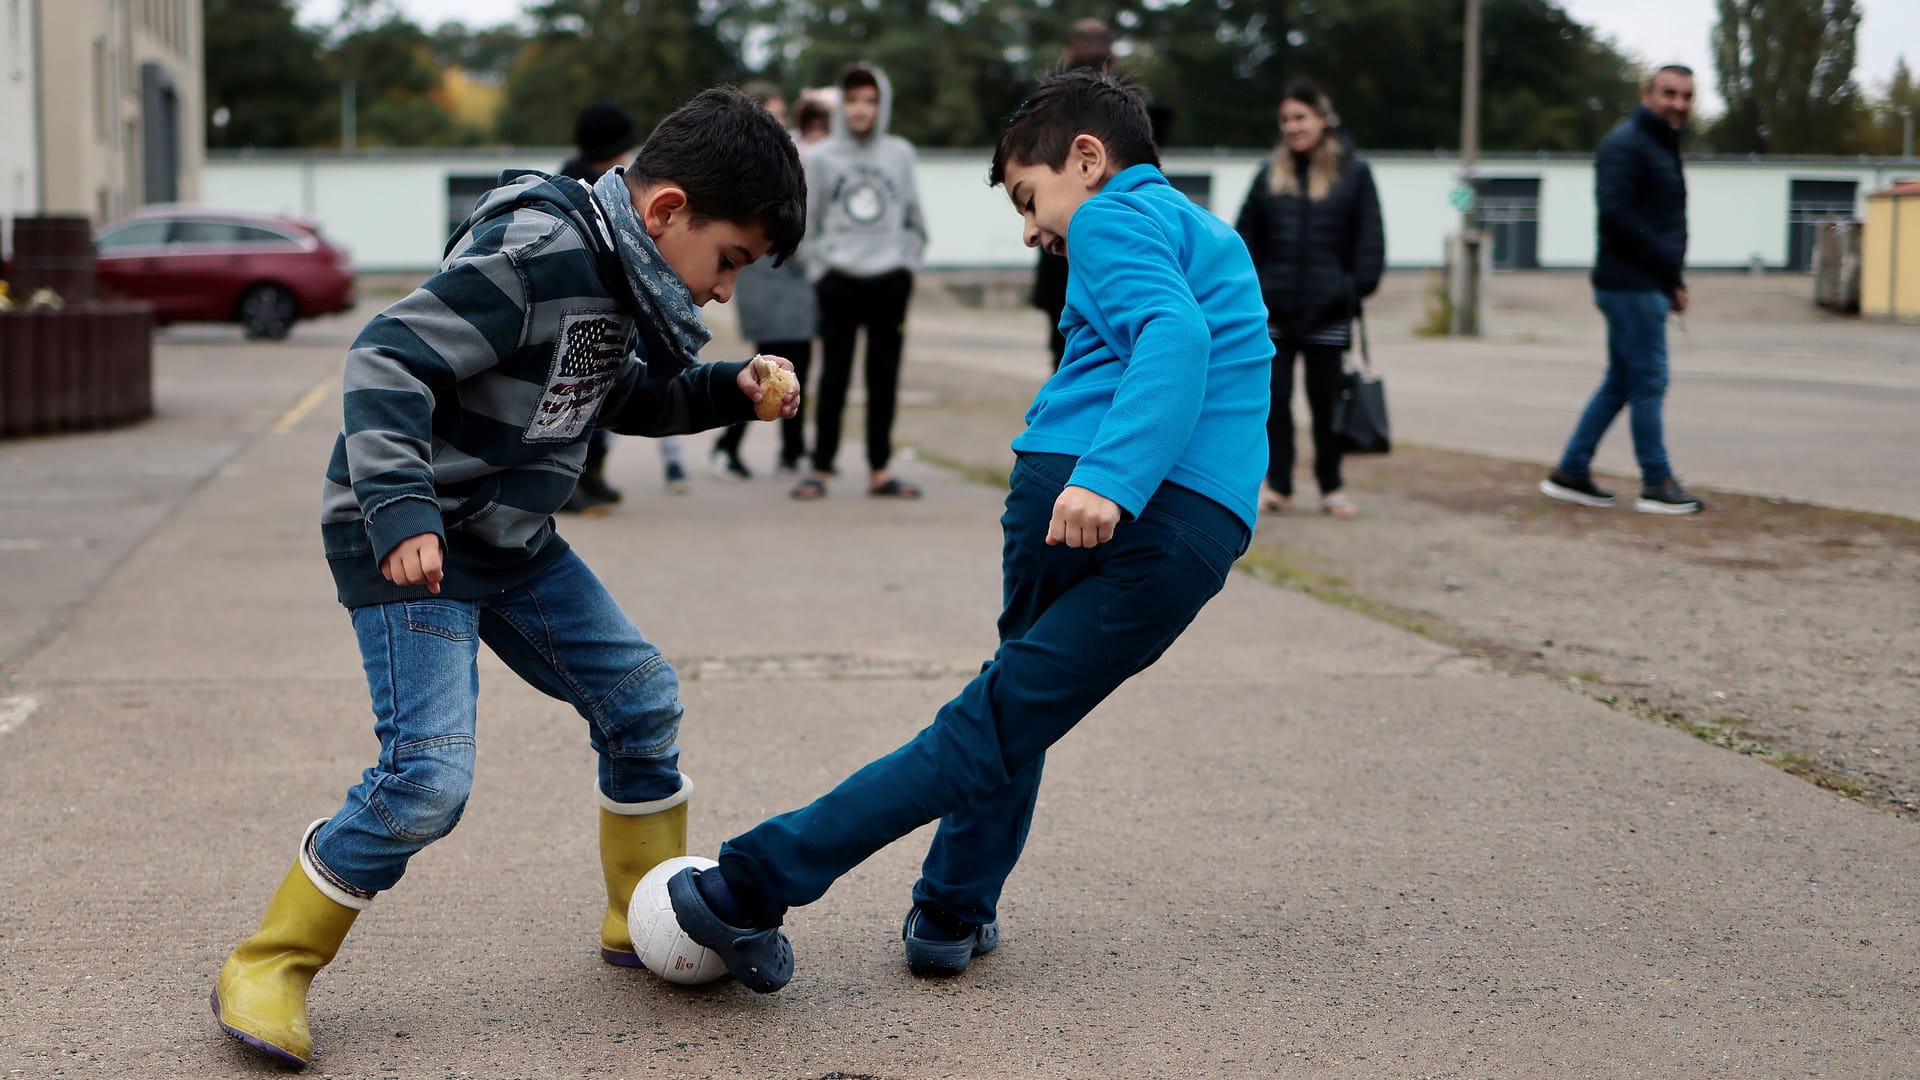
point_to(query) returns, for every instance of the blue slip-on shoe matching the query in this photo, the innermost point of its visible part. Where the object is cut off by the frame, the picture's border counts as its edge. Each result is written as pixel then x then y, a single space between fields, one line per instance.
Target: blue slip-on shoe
pixel 930 952
pixel 761 959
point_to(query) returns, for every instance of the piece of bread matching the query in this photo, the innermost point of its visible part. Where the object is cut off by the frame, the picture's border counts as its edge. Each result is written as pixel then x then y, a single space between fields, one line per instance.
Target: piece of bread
pixel 776 383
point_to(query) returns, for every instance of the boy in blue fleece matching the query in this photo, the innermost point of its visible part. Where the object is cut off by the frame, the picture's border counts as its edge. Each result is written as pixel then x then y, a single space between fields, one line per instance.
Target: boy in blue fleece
pixel 560 308
pixel 1132 496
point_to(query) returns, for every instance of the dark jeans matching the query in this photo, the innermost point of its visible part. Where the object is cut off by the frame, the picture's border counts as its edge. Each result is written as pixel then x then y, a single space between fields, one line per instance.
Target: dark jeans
pixel 793 435
pixel 1076 623
pixel 1323 364
pixel 1636 379
pixel 846 304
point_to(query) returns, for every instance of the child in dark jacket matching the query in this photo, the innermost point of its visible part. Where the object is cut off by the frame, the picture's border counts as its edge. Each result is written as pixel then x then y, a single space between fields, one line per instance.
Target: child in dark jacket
pixel 559 309
pixel 1132 496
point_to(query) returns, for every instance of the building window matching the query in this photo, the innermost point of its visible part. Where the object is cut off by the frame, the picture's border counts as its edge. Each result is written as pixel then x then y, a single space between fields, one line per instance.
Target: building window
pixel 13 39
pixel 102 94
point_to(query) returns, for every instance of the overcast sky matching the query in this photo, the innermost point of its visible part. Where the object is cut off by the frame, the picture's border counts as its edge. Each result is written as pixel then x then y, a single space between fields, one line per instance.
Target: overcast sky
pixel 1654 31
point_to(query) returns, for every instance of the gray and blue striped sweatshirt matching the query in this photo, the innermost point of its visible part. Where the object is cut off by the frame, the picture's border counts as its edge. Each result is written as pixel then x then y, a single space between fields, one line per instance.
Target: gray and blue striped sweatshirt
pixel 468 404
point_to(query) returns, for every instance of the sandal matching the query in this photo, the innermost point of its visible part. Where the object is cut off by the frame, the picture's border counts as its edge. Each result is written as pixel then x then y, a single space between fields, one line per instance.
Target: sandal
pixel 1272 502
pixel 1337 505
pixel 937 954
pixel 760 958
pixel 894 488
pixel 809 489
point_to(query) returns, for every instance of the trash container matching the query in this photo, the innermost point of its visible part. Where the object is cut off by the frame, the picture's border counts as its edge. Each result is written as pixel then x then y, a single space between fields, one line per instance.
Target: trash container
pixel 1890 254
pixel 1836 266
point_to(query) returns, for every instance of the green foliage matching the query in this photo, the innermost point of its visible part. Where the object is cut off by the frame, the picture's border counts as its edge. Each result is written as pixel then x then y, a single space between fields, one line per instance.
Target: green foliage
pixel 390 62
pixel 1394 71
pixel 485 52
pixel 266 71
pixel 1880 126
pixel 1785 71
pixel 648 56
pixel 1392 67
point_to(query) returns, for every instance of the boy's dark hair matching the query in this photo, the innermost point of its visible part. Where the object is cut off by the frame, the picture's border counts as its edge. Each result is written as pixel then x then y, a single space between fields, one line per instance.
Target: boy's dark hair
pixel 736 163
pixel 1082 101
pixel 812 111
pixel 857 75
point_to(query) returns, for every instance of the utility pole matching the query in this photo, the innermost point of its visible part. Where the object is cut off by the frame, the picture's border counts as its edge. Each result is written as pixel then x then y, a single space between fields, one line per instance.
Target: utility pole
pixel 1464 281
pixel 348 108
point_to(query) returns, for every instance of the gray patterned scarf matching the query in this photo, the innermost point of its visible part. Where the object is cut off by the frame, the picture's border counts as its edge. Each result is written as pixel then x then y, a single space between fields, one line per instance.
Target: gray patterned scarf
pixel 663 297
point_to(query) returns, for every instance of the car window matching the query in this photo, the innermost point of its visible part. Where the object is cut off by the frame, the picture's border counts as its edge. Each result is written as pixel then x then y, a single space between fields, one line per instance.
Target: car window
pixel 254 234
pixel 204 232
pixel 138 234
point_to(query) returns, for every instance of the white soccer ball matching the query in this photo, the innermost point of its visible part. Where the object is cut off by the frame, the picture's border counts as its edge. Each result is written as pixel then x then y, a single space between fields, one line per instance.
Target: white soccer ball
pixel 657 938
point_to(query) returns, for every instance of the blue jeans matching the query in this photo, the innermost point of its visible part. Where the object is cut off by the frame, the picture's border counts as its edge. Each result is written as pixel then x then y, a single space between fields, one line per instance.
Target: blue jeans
pixel 560 631
pixel 1076 623
pixel 1636 379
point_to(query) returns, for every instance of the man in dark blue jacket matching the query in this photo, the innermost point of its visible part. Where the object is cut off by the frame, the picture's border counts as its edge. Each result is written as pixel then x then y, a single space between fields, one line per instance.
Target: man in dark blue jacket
pixel 1642 198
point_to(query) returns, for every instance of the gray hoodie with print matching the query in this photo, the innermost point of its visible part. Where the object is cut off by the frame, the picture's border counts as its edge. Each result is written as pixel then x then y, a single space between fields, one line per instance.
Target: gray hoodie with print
pixel 863 199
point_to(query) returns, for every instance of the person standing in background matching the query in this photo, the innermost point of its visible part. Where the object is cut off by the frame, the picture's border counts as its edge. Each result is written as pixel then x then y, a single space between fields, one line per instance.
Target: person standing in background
pixel 604 134
pixel 812 120
pixel 776 311
pixel 1642 199
pixel 1312 224
pixel 865 235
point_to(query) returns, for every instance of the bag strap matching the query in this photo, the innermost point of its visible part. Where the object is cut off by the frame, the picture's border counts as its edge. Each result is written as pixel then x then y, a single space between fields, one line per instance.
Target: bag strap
pixel 1366 357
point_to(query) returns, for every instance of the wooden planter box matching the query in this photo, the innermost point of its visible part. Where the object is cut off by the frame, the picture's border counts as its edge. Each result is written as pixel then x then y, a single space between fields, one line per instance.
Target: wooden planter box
pixel 86 367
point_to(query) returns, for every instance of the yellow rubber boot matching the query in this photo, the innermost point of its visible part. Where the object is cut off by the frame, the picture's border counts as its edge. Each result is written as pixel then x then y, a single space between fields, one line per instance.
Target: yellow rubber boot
pixel 634 839
pixel 261 997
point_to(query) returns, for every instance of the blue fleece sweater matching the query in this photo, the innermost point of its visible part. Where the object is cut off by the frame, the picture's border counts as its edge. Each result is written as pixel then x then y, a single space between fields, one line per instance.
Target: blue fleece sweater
pixel 1165 375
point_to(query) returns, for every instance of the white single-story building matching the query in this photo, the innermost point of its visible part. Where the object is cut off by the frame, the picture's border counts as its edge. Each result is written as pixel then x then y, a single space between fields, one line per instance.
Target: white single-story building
pixel 394 210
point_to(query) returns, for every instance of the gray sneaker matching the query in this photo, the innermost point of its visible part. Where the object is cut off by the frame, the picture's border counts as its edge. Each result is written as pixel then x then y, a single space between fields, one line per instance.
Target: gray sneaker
pixel 1668 497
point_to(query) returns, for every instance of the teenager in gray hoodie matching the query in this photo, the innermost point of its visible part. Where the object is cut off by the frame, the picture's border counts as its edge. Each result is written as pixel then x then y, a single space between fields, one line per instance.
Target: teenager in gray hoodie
pixel 864 238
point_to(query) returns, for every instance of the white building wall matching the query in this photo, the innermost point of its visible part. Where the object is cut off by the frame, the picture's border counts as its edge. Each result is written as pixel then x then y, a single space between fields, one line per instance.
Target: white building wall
pixel 391 211
pixel 1566 214
pixel 19 119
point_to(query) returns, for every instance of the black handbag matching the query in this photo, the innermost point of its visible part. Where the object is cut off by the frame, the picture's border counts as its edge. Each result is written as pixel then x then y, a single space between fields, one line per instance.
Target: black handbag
pixel 1360 413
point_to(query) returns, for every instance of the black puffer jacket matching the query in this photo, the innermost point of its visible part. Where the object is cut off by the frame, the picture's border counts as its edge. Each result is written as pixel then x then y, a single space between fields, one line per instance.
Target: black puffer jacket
pixel 1317 260
pixel 1642 197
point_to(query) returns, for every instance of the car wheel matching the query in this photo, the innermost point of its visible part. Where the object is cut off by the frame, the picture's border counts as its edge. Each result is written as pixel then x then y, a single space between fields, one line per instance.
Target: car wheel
pixel 267 311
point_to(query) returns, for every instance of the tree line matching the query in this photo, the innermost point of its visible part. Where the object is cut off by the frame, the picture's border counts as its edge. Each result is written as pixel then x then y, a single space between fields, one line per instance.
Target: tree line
pixel 1393 67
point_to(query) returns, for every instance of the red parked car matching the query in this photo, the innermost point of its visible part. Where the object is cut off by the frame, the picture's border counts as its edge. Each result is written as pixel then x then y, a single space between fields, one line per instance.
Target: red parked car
pixel 195 264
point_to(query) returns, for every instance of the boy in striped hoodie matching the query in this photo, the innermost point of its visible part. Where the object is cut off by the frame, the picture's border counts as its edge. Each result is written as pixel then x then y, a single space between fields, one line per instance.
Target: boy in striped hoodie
pixel 559 309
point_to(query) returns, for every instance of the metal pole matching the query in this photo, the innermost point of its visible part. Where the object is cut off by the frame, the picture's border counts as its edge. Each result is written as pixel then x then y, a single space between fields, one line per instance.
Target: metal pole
pixel 1466 252
pixel 348 136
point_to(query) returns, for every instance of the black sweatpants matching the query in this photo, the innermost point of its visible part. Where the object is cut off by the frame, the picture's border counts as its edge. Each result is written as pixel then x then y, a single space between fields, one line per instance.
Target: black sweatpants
pixel 1323 364
pixel 846 305
pixel 793 436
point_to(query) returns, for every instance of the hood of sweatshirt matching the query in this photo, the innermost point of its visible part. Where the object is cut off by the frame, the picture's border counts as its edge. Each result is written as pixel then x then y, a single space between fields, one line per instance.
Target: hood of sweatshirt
pixel 562 197
pixel 881 123
pixel 863 201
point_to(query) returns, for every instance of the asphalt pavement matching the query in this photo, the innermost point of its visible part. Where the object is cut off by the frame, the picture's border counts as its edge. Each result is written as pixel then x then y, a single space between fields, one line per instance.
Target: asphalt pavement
pixel 1306 843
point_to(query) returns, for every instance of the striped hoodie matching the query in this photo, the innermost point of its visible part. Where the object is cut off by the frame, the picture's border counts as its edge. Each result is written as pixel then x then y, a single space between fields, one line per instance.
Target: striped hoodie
pixel 468 404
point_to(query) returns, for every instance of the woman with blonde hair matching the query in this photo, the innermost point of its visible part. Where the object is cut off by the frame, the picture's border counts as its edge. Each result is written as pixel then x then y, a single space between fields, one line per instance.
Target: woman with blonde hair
pixel 1312 224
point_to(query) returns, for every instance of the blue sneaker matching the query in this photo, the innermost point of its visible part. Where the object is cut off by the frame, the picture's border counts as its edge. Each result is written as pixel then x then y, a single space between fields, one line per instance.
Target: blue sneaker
pixel 932 951
pixel 761 959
